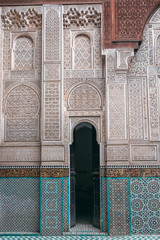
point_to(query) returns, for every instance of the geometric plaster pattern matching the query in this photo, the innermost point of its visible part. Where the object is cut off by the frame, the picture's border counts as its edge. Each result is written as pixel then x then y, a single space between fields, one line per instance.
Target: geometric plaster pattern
pixel 84 97
pixel 52 35
pixel 52 111
pixel 23 53
pixel 117 117
pixel 82 52
pixel 22 115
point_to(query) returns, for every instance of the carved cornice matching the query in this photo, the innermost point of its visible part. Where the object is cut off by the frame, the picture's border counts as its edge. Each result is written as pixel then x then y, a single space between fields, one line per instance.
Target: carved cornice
pixel 30 18
pixel 82 18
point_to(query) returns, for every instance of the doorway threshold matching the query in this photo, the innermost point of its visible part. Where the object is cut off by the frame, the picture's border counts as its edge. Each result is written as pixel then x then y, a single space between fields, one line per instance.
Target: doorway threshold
pixel 84 229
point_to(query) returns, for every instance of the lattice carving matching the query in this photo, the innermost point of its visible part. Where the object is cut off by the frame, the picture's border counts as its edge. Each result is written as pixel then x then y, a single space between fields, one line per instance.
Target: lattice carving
pixel 52 111
pixel 52 35
pixel 84 97
pixel 82 52
pixel 153 105
pixel 6 51
pixel 22 115
pixel 38 52
pixel 111 66
pixel 117 111
pixel 81 17
pixel 23 53
pixel 130 17
pixel 67 50
pixel 135 109
pixel 30 18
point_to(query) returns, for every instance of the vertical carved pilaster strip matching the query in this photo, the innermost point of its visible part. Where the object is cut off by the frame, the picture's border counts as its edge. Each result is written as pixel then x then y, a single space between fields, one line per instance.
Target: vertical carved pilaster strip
pixel 52 77
pixel 1 79
pixel 135 109
pixel 153 108
pixel 116 111
pixel 145 108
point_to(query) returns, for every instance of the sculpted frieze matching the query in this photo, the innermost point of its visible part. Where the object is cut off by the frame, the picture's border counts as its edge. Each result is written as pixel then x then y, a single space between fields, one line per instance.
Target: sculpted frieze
pixel 82 17
pixel 30 18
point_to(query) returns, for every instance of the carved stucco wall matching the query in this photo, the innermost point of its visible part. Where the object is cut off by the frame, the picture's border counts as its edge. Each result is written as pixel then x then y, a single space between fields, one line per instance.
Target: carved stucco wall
pixel 21 85
pixel 133 101
pixel 71 83
pixel 84 84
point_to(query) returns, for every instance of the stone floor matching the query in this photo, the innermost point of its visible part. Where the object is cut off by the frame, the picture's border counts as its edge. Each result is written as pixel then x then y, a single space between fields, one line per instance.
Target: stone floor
pixel 153 237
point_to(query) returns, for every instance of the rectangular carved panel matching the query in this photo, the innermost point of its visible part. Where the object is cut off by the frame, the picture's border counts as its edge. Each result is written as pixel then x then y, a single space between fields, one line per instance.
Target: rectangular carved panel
pixel 52 72
pixel 117 154
pixel 25 155
pixel 144 153
pixel 52 111
pixel 52 39
pixel 135 109
pixel 53 153
pixel 116 111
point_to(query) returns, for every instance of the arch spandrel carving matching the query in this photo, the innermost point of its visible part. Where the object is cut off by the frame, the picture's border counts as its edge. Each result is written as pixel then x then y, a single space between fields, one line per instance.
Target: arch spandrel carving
pixel 84 97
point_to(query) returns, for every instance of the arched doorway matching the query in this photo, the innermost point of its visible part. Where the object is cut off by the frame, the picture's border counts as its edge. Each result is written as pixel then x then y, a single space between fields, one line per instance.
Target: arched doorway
pixel 84 176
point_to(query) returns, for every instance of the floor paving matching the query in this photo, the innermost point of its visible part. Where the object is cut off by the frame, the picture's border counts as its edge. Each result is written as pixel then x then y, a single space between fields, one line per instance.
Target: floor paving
pixel 153 237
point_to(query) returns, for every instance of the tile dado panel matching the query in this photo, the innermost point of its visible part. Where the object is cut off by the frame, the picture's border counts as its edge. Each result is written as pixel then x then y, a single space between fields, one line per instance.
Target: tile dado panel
pixel 19 205
pixel 54 206
pixel 33 204
pixel 145 205
pixel 118 206
pixel 133 205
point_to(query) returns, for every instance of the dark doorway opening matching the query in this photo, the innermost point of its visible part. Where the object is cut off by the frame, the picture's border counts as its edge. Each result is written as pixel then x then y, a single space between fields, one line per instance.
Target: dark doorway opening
pixel 84 176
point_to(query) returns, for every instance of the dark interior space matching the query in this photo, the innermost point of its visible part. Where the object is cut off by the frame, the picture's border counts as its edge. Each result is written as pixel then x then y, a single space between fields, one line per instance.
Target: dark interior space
pixel 85 203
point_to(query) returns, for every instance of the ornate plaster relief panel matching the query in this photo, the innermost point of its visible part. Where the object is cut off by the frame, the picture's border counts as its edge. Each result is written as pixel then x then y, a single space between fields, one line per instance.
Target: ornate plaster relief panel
pixel 147 153
pixel 22 52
